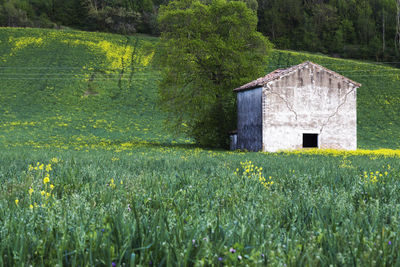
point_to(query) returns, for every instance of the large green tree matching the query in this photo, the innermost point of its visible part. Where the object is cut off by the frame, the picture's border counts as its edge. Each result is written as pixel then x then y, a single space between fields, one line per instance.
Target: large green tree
pixel 207 49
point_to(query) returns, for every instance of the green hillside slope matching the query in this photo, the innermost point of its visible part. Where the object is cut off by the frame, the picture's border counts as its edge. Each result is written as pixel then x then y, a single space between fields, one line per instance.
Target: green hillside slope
pixel 80 90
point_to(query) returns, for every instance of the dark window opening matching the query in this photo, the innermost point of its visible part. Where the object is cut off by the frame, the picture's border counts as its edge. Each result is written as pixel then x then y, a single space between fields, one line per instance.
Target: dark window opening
pixel 310 140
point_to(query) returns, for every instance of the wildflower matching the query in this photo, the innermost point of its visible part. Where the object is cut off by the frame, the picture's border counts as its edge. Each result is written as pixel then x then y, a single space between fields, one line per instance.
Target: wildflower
pixel 390 242
pixel 48 167
pixel 239 257
pixel 220 259
pixel 16 201
pixel 232 250
pixel 51 186
pixel 112 183
pixel 113 264
pixel 41 166
pixel 48 194
pixel 42 192
pixel 46 180
pixel 30 191
pixel 31 206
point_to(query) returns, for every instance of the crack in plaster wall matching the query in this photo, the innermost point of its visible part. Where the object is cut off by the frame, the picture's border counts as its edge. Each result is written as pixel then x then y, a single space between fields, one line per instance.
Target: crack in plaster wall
pixel 337 109
pixel 269 90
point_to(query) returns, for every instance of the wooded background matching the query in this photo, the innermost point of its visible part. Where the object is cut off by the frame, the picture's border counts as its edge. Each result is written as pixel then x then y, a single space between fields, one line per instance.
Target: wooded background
pixel 364 29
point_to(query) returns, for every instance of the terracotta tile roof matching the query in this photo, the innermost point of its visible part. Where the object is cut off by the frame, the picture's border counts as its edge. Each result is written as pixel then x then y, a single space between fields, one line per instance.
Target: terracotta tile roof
pixel 281 72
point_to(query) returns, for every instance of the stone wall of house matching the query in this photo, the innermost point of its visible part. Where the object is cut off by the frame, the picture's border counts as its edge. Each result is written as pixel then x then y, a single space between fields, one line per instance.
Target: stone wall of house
pixel 309 100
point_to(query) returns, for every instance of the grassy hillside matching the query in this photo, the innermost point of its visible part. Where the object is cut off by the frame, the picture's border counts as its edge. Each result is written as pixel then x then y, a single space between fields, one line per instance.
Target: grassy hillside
pixel 89 177
pixel 70 88
pixel 77 89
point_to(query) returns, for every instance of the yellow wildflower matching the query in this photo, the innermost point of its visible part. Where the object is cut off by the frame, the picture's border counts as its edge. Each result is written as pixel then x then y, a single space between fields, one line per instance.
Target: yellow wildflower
pixel 51 186
pixel 16 201
pixel 48 167
pixel 46 180
pixel 42 192
pixel 30 191
pixel 112 183
pixel 41 166
pixel 31 206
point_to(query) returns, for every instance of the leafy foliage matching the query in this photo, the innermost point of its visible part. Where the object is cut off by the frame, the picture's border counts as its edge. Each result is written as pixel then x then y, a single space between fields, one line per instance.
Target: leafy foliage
pixel 353 29
pixel 206 51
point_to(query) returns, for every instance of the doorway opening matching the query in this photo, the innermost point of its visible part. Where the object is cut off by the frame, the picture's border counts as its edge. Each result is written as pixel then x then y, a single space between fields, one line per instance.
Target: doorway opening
pixel 310 140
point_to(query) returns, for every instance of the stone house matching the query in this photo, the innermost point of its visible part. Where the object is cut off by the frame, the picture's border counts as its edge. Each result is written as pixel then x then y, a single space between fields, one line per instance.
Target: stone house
pixel 303 106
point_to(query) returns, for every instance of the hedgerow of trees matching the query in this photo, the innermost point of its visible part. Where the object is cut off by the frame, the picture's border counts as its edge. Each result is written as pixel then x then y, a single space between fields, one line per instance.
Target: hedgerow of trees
pixel 366 29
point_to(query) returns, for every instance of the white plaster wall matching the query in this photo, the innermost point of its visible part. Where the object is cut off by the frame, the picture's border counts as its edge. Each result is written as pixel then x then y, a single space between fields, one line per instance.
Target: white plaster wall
pixel 309 100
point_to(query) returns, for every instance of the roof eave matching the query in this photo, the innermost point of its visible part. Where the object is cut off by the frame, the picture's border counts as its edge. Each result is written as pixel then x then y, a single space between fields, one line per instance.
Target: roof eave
pixel 247 88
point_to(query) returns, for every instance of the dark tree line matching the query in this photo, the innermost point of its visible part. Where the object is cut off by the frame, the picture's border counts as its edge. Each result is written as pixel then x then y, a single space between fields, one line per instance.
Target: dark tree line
pixel 367 29
pixel 119 16
pixel 350 28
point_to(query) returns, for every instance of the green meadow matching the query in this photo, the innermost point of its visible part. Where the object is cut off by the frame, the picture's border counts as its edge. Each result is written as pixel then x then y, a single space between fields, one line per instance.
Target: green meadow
pixel 90 176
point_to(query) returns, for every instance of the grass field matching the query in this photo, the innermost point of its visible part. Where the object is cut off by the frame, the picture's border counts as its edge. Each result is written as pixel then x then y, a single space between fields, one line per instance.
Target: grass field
pixel 89 176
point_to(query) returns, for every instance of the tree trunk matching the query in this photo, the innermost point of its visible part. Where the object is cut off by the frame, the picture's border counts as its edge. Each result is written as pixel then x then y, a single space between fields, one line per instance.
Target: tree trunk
pixel 383 32
pixel 397 41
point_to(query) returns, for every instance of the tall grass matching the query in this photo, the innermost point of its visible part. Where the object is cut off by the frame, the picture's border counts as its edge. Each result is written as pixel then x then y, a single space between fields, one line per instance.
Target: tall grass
pixel 188 207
